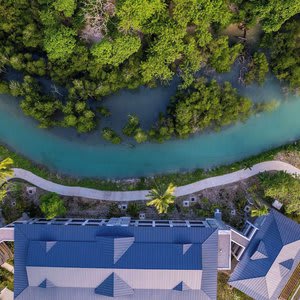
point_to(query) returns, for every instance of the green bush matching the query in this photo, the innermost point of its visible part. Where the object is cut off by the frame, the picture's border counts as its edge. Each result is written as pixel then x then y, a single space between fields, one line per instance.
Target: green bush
pixel 111 136
pixel 283 187
pixel 52 206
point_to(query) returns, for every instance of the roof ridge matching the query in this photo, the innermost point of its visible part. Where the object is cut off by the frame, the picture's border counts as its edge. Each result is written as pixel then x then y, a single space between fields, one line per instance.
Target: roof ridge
pixel 288 222
pixel 214 230
pixel 114 286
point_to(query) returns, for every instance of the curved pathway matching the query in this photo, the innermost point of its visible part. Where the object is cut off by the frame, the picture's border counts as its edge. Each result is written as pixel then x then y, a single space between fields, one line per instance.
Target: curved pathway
pixel 141 195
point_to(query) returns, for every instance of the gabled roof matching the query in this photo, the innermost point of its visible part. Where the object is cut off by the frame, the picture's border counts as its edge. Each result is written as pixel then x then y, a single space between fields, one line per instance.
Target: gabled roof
pixel 287 264
pixel 46 284
pixel 115 245
pixel 114 286
pixel 270 258
pixel 260 252
pixel 181 287
pixel 185 248
pixel 49 245
pixel 102 259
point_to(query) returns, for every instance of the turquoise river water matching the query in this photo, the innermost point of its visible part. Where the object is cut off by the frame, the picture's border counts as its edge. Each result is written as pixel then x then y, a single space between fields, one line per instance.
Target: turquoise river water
pixel 65 151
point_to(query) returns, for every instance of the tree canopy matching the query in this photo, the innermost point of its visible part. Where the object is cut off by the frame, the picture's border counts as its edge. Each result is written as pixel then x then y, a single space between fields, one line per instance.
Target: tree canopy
pixel 5 172
pixel 161 198
pixel 272 14
pixel 52 205
pixel 283 187
pixel 93 48
pixel 205 105
pixel 284 50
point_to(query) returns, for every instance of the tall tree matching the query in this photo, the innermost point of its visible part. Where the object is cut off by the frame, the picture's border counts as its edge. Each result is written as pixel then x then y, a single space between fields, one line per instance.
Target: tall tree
pixel 161 198
pixel 272 13
pixel 5 172
pixel 284 50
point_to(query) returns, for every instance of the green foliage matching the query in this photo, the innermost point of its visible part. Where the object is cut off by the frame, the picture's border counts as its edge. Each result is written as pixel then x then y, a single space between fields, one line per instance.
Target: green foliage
pixel 266 106
pixel 67 7
pixel 32 37
pixel 133 209
pixel 140 136
pixel 283 187
pixel 52 206
pixel 207 105
pixel 221 55
pixel 26 63
pixel 5 172
pixel 77 114
pixel 163 130
pixel 261 211
pixel 131 126
pixel 114 53
pixel 226 292
pixel 162 197
pixel 4 87
pixel 5 169
pixel 191 64
pixel 104 111
pixel 136 42
pixel 34 104
pixel 114 211
pixel 166 49
pixel 272 14
pixel 59 43
pixel 285 53
pixel 178 179
pixel 257 69
pixel 134 14
pixel 111 136
pixel 6 279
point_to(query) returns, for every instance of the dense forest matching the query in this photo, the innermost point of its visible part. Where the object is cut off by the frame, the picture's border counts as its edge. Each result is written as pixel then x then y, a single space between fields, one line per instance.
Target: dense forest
pixel 93 48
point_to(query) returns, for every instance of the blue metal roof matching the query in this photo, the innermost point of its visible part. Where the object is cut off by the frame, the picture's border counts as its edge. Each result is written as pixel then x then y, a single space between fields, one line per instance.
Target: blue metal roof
pixel 275 232
pixel 114 286
pixel 156 248
pixel 181 287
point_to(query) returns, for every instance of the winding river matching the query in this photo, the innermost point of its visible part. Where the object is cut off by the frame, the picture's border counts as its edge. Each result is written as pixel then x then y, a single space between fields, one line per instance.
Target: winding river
pixel 65 151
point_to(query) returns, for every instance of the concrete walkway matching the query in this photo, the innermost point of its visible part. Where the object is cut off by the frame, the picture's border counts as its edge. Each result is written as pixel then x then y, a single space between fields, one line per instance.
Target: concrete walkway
pixel 141 195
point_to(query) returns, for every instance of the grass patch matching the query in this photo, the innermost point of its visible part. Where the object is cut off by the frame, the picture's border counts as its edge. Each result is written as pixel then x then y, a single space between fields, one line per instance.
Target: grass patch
pixel 225 292
pixel 179 178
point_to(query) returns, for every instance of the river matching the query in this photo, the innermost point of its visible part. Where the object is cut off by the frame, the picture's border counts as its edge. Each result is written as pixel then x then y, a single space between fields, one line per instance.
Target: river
pixel 65 151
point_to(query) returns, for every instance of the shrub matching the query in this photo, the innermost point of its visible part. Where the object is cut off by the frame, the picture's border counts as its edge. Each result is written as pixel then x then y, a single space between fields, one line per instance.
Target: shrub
pixel 52 205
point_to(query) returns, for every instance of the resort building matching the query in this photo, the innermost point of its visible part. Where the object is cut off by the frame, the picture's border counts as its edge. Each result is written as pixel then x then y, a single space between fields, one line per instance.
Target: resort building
pixel 146 259
pixel 100 259
pixel 271 259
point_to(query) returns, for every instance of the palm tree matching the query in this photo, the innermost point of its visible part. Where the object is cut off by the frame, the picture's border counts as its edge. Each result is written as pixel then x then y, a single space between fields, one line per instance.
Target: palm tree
pixel 261 211
pixel 5 172
pixel 5 169
pixel 161 198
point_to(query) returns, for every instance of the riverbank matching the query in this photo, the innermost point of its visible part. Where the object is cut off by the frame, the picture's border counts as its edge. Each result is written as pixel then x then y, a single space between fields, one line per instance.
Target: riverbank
pixel 181 190
pixel 178 179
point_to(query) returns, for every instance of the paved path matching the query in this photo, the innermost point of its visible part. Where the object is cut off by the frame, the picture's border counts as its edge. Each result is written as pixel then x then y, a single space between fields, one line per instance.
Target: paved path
pixel 141 195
